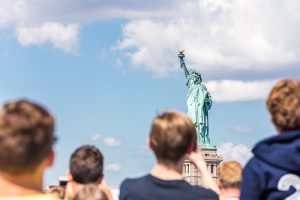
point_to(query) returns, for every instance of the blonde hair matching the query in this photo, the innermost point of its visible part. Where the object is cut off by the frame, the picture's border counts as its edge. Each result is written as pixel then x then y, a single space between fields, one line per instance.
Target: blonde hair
pixel 230 174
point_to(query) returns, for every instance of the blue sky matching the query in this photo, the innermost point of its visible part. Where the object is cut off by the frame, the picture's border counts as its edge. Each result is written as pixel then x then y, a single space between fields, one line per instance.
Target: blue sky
pixel 106 68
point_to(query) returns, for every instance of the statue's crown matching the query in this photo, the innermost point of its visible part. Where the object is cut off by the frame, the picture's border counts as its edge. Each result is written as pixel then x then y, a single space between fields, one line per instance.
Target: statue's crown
pixel 195 73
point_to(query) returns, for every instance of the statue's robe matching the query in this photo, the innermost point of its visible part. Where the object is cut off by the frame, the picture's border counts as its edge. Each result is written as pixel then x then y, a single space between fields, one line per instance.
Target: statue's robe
pixel 198 103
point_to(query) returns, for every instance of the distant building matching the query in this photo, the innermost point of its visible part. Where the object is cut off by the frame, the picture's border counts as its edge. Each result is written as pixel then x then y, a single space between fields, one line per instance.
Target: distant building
pixel 191 174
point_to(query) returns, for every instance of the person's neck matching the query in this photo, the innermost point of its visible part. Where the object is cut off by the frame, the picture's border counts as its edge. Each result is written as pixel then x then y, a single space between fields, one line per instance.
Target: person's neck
pixel 73 187
pixel 230 193
pixel 21 184
pixel 167 171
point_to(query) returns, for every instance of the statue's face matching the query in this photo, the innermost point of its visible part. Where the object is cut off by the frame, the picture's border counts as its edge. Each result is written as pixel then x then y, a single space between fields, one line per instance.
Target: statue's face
pixel 199 80
pixel 196 80
pixel 192 81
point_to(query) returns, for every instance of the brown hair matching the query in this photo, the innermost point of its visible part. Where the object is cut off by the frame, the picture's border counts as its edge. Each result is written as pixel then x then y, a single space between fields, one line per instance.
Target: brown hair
pixel 90 192
pixel 86 164
pixel 284 105
pixel 171 135
pixel 26 136
pixel 230 174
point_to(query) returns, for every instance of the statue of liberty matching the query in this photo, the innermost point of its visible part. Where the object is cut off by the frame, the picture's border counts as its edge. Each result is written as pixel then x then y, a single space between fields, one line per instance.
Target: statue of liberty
pixel 198 102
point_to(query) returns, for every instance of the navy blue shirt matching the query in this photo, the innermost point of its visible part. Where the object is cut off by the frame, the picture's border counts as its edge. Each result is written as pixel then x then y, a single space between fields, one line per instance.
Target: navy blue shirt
pixel 274 171
pixel 151 188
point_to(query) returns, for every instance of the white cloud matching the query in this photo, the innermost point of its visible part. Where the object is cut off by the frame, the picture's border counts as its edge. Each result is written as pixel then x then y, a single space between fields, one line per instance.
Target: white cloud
pixel 241 129
pixel 60 36
pixel 111 141
pixel 108 141
pixel 113 167
pixel 231 90
pixel 25 15
pixel 96 137
pixel 12 11
pixel 30 12
pixel 221 36
pixel 237 152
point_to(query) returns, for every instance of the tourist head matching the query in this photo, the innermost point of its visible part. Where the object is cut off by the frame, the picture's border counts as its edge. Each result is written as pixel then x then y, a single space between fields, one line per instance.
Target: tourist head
pixel 90 192
pixel 26 138
pixel 284 105
pixel 172 135
pixel 86 165
pixel 230 175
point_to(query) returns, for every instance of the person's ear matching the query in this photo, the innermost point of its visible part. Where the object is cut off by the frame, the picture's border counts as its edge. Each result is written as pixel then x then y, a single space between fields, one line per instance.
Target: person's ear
pixel 51 157
pixel 100 179
pixel 69 176
pixel 192 148
pixel 219 185
pixel 150 143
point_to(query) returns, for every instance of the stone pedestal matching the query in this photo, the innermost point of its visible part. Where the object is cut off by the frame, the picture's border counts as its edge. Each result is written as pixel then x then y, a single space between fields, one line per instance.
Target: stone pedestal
pixel 191 174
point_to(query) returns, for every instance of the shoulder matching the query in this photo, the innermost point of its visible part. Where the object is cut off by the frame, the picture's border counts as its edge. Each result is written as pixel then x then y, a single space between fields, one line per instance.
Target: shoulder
pixel 203 192
pixel 254 169
pixel 130 185
pixel 254 165
pixel 135 188
pixel 127 183
pixel 254 179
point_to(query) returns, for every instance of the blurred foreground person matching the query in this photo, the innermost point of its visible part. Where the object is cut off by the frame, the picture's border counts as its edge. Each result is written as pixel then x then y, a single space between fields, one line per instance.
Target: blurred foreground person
pixel 173 139
pixel 90 192
pixel 86 167
pixel 274 171
pixel 26 139
pixel 230 180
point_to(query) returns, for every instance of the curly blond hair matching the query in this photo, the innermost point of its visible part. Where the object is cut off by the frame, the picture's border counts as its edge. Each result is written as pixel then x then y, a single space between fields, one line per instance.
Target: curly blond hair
pixel 230 174
pixel 284 105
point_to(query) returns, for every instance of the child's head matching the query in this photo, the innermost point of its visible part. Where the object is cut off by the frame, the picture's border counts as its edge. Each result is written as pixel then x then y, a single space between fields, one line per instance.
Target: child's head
pixel 230 175
pixel 86 165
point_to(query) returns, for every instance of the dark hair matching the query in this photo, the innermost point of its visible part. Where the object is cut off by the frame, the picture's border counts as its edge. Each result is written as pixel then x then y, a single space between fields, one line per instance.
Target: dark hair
pixel 86 165
pixel 90 192
pixel 26 136
pixel 284 105
pixel 171 135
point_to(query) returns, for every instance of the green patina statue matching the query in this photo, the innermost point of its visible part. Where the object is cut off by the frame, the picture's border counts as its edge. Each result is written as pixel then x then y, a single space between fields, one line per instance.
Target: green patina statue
pixel 198 102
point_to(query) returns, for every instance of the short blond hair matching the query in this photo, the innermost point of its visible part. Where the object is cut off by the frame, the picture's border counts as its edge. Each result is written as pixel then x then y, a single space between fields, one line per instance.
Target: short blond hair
pixel 230 174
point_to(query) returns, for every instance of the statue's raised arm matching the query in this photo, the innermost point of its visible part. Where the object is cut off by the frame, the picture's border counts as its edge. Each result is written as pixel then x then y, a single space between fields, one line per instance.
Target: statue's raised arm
pixel 182 63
